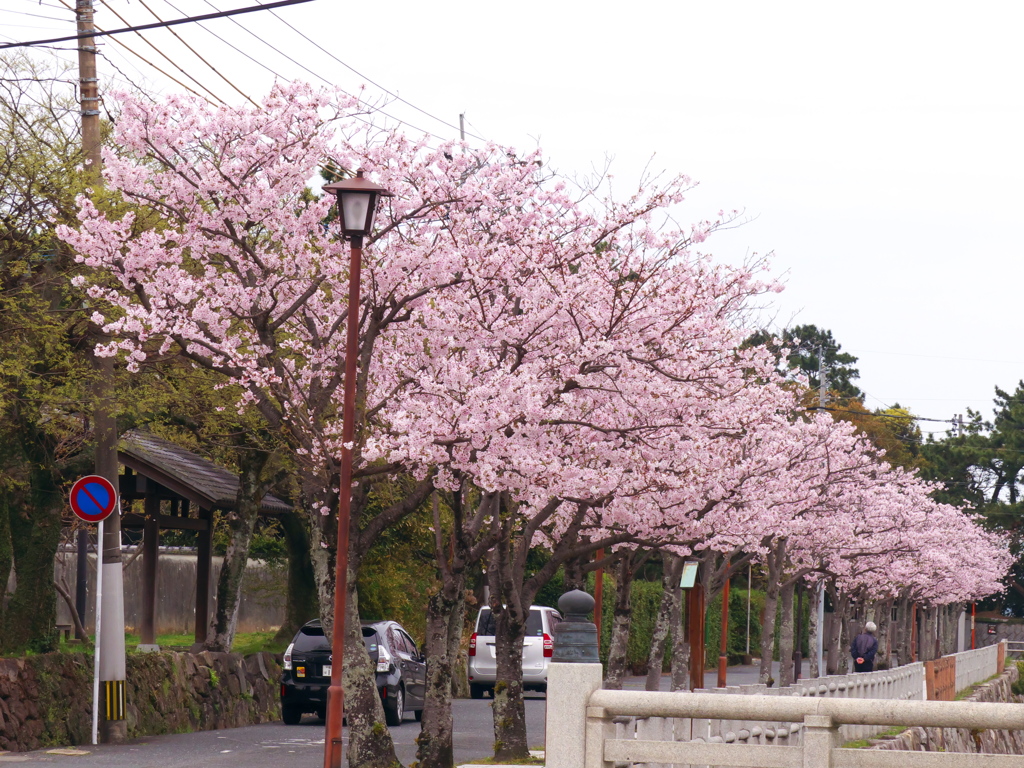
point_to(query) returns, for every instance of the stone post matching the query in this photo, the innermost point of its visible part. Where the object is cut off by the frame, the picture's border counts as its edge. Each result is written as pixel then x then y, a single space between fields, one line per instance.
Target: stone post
pixel 574 673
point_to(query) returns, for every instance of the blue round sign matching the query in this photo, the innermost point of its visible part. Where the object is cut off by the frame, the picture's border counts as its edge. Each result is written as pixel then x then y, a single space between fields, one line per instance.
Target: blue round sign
pixel 93 498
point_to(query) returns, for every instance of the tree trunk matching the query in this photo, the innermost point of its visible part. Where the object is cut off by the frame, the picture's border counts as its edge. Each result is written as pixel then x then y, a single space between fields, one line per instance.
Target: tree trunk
pixel 883 617
pixel 6 550
pixel 786 639
pixel 835 652
pixel 680 646
pixel 370 744
pixel 509 711
pixel 300 603
pixel 445 614
pixel 618 646
pixel 663 624
pixel 31 615
pixel 252 487
pixel 775 560
pixel 814 628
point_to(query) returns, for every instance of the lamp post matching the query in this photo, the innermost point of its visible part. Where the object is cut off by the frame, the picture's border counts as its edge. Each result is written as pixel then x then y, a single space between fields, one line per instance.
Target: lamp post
pixel 357 204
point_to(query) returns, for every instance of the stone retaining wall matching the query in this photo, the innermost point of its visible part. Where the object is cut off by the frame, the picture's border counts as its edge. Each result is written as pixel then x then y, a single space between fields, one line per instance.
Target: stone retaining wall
pixel 962 739
pixel 46 700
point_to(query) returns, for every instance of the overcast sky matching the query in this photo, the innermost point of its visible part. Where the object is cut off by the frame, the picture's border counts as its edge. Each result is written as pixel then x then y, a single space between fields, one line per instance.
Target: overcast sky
pixel 876 147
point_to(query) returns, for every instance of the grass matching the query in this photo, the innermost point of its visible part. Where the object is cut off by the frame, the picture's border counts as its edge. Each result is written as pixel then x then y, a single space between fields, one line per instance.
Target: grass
pixel 972 688
pixel 888 733
pixel 492 761
pixel 245 643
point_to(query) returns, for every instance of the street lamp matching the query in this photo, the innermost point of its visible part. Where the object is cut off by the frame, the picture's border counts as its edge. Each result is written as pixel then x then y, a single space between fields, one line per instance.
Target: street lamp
pixel 357 203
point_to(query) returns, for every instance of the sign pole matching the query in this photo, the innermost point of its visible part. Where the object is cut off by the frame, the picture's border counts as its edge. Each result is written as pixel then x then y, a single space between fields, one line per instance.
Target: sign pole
pixel 96 641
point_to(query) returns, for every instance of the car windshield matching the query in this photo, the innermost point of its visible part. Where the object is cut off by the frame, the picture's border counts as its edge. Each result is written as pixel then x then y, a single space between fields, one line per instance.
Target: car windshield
pixel 311 638
pixel 534 624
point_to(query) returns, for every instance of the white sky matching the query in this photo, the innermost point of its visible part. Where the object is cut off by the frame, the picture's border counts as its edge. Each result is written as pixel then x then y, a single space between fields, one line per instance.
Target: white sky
pixel 875 146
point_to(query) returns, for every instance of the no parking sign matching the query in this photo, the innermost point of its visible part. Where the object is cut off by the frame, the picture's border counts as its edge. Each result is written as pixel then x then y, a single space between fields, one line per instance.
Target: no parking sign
pixel 93 498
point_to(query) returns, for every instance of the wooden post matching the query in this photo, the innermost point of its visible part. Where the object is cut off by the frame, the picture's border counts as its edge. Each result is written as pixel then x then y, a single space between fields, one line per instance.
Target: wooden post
pixel 150 554
pixel 913 632
pixel 203 567
pixel 723 651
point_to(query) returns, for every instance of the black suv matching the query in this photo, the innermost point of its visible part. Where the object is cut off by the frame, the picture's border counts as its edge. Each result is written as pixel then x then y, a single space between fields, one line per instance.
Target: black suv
pixel 401 671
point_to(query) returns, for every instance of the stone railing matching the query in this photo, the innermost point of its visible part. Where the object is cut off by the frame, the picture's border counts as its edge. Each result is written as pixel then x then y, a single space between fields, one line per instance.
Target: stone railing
pixel 820 721
pixel 638 720
pixel 976 666
pixel 904 683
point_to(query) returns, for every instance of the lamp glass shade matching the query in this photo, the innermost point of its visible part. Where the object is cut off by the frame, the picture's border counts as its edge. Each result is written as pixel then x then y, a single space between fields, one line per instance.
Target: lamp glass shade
pixel 357 210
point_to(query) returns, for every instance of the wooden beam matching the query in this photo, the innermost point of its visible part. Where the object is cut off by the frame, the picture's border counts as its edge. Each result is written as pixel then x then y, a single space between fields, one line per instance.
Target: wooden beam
pixel 204 566
pixel 150 554
pixel 167 523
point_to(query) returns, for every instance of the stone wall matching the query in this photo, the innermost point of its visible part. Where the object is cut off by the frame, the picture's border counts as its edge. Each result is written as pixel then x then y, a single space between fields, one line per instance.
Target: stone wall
pixel 46 700
pixel 962 739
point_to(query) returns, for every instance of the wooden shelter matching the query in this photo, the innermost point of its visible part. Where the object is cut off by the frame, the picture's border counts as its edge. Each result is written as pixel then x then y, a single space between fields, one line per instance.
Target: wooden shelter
pixel 179 491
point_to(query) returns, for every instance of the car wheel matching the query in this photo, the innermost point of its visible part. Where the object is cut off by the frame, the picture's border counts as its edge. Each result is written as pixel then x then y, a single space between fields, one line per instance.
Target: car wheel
pixel 419 715
pixel 542 688
pixel 290 714
pixel 476 691
pixel 394 709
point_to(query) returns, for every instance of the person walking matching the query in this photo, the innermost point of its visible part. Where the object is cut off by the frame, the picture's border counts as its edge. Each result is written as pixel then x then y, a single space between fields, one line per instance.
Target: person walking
pixel 864 648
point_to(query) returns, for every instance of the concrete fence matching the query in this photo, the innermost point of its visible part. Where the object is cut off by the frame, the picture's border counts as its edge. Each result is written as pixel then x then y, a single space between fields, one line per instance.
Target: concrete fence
pixel 820 721
pixel 793 723
pixel 976 666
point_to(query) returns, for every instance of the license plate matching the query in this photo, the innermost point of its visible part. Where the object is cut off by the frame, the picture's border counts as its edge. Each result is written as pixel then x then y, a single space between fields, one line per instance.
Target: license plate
pixel 327 670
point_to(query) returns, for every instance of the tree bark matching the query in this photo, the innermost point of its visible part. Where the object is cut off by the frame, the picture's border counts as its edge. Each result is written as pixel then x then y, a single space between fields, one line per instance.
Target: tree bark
pixel 814 629
pixel 663 629
pixel 680 663
pixel 31 615
pixel 618 646
pixel 786 639
pixel 445 615
pixel 509 710
pixel 253 484
pixel 301 603
pixel 775 560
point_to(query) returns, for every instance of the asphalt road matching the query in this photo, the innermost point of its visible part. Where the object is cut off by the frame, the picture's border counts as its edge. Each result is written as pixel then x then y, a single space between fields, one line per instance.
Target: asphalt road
pixel 274 744
pixel 302 746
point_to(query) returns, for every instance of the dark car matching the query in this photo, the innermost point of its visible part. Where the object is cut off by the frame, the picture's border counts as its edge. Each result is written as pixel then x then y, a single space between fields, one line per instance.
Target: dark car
pixel 401 671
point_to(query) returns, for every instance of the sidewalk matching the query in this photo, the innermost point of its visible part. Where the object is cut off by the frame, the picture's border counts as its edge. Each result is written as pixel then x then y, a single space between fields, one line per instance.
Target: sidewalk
pixel 736 675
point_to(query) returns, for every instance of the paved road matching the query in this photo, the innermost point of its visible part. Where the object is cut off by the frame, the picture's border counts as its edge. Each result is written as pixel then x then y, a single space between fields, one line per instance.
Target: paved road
pixel 274 744
pixel 302 746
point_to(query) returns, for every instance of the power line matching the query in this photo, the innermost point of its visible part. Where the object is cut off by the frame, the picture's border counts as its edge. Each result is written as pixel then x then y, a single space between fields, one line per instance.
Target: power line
pixel 171 61
pixel 158 25
pixel 197 54
pixel 324 79
pixel 172 78
pixel 910 416
pixel 370 80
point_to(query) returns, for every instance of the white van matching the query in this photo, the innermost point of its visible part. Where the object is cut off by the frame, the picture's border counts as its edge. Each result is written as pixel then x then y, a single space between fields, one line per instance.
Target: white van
pixel 537 650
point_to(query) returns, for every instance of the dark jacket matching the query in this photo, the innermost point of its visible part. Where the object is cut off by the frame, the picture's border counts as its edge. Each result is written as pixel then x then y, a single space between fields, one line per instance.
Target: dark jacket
pixel 864 646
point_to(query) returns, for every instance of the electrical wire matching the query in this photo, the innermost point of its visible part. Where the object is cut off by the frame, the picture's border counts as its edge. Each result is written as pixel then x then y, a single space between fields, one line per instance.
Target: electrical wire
pixel 157 25
pixel 154 66
pixel 33 15
pixel 328 82
pixel 370 80
pixel 171 61
pixel 197 54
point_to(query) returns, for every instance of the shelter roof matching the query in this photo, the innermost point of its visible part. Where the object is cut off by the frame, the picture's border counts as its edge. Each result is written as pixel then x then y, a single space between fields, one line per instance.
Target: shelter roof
pixel 185 473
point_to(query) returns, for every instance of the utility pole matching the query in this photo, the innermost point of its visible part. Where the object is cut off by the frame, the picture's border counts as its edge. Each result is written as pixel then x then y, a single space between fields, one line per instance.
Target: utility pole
pixel 462 126
pixel 819 607
pixel 110 643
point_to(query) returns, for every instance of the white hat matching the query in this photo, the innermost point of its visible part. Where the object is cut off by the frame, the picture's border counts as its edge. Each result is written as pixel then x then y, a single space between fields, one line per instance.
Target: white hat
pixel 870 627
